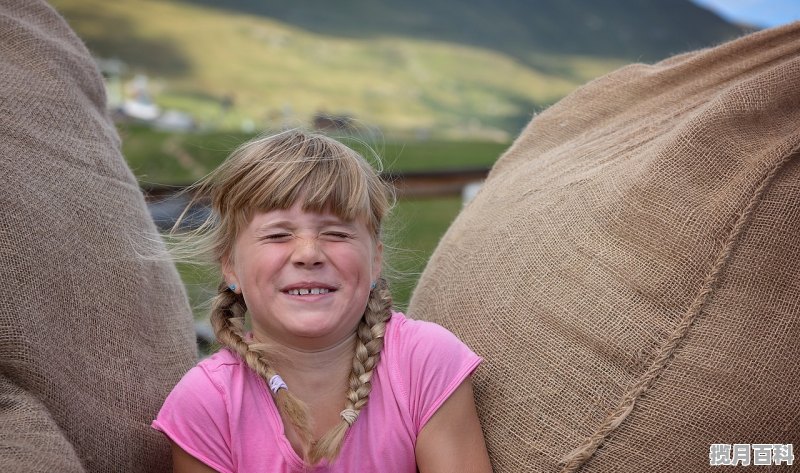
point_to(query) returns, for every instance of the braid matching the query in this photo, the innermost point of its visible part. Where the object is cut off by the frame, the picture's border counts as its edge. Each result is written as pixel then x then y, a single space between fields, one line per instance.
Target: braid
pixel 227 315
pixel 369 344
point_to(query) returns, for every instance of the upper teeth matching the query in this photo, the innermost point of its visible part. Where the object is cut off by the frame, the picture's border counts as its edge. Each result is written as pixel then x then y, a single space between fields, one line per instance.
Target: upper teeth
pixel 303 292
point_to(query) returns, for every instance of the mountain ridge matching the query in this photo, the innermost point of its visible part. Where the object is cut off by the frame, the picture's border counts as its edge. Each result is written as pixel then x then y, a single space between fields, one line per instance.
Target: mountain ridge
pixel 641 30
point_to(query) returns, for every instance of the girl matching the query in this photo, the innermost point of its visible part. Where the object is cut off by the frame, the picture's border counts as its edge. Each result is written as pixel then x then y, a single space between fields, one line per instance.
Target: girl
pixel 328 378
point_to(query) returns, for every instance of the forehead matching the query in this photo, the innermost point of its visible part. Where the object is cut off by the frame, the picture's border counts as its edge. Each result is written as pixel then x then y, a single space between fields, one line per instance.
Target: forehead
pixel 296 216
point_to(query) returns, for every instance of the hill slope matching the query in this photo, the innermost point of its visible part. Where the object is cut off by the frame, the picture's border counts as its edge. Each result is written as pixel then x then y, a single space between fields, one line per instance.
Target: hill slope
pixel 643 30
pixel 473 66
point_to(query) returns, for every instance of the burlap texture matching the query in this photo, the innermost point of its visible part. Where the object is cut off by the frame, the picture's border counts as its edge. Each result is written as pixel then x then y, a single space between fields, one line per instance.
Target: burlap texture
pixel 631 269
pixel 92 336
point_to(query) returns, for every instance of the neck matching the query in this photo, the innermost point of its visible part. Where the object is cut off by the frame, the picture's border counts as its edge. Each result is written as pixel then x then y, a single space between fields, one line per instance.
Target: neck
pixel 311 368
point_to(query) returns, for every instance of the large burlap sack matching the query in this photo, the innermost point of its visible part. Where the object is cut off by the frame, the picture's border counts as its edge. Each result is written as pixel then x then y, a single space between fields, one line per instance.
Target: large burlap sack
pixel 631 269
pixel 92 336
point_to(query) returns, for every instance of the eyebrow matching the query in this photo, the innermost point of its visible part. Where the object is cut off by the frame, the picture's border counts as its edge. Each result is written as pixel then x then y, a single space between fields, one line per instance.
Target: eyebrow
pixel 272 224
pixel 286 223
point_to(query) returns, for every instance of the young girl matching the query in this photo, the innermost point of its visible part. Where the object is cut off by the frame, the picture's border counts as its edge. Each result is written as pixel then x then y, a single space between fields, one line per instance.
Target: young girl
pixel 328 378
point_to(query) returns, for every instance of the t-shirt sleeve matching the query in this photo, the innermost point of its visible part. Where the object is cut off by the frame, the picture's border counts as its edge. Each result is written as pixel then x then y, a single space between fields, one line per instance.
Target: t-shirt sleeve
pixel 434 363
pixel 195 416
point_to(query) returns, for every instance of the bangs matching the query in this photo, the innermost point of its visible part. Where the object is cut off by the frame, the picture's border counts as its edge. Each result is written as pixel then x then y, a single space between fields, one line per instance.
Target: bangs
pixel 326 176
pixel 323 184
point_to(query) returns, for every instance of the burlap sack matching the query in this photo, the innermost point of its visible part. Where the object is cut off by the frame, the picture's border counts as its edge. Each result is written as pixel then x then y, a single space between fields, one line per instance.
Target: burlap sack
pixel 92 337
pixel 631 268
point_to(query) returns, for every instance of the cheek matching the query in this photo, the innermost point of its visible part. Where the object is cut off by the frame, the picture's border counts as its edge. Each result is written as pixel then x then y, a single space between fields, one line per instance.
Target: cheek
pixel 253 271
pixel 366 264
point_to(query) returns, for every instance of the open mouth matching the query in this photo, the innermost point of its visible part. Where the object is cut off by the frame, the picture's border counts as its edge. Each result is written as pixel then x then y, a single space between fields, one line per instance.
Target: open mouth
pixel 308 291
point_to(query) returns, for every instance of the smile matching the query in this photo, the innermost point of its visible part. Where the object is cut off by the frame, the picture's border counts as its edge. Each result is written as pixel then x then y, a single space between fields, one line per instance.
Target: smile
pixel 310 291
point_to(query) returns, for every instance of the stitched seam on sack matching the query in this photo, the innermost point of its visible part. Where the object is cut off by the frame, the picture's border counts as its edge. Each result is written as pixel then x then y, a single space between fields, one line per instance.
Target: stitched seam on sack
pixel 580 455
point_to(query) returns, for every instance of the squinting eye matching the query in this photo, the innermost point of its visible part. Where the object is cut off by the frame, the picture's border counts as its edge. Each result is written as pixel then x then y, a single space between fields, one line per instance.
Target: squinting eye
pixel 277 236
pixel 337 235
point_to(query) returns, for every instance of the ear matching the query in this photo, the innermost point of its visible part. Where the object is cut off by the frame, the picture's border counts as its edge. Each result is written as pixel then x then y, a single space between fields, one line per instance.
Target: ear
pixel 229 273
pixel 377 261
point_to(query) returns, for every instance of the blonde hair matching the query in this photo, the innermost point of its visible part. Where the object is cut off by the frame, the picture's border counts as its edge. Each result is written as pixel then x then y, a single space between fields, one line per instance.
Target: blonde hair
pixel 273 173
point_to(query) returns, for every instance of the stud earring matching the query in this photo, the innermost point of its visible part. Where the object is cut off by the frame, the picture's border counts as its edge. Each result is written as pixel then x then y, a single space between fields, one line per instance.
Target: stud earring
pixel 373 285
pixel 232 287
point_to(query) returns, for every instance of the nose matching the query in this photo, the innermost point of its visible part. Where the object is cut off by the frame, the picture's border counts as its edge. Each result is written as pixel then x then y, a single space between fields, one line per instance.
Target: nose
pixel 307 253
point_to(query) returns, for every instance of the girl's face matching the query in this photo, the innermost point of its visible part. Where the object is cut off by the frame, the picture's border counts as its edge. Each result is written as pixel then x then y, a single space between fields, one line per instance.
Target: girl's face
pixel 304 276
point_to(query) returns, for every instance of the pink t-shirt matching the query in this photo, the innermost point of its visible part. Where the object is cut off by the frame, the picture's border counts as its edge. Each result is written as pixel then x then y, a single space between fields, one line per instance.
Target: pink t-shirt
pixel 223 414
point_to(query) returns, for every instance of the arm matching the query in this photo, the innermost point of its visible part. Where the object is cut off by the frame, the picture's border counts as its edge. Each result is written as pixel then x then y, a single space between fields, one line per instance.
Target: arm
pixel 195 420
pixel 182 462
pixel 452 440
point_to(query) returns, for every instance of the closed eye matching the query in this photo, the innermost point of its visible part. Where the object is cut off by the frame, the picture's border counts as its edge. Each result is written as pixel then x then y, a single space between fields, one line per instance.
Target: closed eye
pixel 337 235
pixel 276 236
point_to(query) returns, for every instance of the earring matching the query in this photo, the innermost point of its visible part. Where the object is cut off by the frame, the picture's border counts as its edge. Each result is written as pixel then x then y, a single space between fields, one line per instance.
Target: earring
pixel 373 285
pixel 232 287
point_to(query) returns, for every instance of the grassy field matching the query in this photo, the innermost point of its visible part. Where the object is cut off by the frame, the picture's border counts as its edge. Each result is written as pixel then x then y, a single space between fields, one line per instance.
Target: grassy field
pixel 414 231
pixel 165 158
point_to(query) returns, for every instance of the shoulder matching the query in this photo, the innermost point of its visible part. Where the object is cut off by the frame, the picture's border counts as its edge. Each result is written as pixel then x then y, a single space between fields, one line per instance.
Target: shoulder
pixel 197 386
pixel 196 414
pixel 223 362
pixel 404 334
pixel 427 363
pixel 216 372
pixel 220 360
pixel 205 392
pixel 400 326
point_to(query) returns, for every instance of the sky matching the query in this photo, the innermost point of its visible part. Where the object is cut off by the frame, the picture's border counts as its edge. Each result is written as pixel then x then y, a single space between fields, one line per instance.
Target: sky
pixel 762 13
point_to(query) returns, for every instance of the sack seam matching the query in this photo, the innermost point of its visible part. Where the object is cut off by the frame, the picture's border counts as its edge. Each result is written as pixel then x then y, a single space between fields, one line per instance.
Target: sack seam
pixel 580 455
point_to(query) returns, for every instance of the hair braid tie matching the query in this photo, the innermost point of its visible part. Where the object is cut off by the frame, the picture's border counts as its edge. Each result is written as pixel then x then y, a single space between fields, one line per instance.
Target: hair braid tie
pixel 349 416
pixel 276 383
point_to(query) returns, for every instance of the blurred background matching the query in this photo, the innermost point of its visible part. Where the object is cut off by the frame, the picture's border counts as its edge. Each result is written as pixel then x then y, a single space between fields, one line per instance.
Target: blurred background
pixel 437 88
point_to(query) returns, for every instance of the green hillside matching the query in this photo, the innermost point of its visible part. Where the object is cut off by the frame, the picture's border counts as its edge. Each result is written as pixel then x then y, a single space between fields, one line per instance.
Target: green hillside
pixel 633 30
pixel 445 68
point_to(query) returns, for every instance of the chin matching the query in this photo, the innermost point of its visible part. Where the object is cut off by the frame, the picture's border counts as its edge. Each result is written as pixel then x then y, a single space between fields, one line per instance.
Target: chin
pixel 320 328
